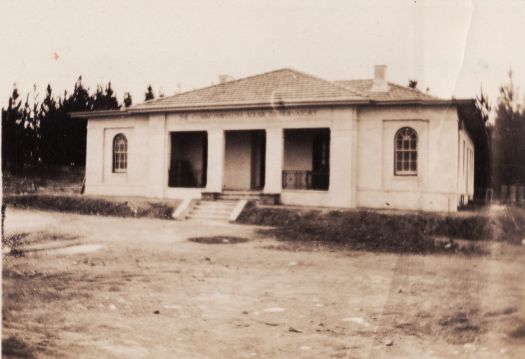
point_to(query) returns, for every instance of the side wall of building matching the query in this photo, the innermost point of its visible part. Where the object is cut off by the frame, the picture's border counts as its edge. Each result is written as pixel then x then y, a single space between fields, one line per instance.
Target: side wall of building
pixel 465 162
pixel 146 159
pixel 435 185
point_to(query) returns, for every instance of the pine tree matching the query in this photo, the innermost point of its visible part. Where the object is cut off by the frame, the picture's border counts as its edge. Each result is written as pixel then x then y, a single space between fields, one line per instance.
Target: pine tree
pixel 12 131
pixel 127 99
pixel 75 129
pixel 51 130
pixel 509 132
pixel 149 94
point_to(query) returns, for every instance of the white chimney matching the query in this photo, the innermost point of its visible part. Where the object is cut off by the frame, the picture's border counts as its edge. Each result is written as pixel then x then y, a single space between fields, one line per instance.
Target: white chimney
pixel 225 78
pixel 380 84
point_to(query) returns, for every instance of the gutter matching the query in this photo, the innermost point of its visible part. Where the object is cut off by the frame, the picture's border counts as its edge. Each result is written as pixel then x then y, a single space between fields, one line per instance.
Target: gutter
pixel 265 106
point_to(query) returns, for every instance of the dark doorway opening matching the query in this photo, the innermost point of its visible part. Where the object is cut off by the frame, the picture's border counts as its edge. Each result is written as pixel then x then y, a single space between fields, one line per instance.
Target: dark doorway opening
pixel 188 160
pixel 306 159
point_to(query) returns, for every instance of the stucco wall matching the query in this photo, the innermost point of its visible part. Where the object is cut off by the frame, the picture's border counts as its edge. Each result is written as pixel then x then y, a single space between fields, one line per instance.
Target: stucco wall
pixel 434 186
pixel 100 178
pixel 361 155
pixel 465 167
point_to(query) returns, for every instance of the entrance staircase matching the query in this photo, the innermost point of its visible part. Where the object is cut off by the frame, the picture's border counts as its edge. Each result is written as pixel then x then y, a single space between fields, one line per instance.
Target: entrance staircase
pixel 235 195
pixel 212 210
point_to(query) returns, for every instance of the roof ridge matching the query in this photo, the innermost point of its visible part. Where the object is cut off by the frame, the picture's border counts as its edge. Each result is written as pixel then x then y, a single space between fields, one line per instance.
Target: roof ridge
pixel 411 89
pixel 159 100
pixel 354 92
pixel 395 84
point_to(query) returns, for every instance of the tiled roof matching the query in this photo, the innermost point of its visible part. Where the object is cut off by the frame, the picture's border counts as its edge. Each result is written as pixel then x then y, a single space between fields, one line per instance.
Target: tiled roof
pixel 271 88
pixel 395 92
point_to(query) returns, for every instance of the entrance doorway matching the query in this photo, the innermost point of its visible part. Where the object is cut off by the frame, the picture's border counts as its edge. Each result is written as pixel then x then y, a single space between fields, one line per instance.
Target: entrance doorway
pixel 188 160
pixel 244 160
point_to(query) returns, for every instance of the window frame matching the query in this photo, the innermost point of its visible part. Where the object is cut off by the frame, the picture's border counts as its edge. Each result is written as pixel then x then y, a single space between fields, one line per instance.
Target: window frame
pixel 120 155
pixel 411 172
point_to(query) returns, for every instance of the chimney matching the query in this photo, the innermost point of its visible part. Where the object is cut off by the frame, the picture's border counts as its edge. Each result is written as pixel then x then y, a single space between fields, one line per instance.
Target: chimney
pixel 225 78
pixel 380 84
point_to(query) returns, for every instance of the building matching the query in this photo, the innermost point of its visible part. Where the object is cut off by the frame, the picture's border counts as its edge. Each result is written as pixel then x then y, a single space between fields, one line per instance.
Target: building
pixel 291 138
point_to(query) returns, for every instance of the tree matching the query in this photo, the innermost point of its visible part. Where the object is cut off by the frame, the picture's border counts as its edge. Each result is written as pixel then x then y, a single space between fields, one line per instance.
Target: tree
pixel 509 132
pixel 127 99
pixel 149 94
pixel 51 130
pixel 12 131
pixel 412 84
pixel 105 99
pixel 75 129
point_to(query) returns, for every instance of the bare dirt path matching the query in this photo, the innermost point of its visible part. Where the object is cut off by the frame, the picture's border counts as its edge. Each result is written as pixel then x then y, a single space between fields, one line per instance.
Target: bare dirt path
pixel 140 289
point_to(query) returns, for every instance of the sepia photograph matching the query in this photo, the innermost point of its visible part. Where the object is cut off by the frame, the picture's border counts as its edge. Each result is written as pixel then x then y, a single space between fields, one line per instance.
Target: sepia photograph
pixel 263 179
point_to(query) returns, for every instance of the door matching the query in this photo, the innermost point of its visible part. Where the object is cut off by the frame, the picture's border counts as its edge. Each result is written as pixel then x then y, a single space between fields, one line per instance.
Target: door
pixel 321 160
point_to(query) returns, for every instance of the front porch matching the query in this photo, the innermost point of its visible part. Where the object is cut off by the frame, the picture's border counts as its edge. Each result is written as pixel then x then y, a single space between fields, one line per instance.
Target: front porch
pixel 289 166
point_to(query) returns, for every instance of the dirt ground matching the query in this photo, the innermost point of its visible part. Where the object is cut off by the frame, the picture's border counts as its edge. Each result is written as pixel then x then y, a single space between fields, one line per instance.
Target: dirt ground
pixel 106 287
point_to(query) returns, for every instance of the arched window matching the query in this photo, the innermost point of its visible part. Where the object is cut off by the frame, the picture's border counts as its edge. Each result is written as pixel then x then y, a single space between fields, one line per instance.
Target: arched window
pixel 120 153
pixel 405 152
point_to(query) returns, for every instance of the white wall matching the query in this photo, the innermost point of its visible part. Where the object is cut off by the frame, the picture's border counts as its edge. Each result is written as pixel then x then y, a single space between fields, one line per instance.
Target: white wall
pixel 434 187
pixel 465 167
pixel 361 155
pixel 100 178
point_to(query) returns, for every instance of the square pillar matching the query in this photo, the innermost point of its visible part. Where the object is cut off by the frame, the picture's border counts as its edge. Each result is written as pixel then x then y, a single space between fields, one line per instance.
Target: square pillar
pixel 342 185
pixel 95 155
pixel 274 161
pixel 157 170
pixel 215 174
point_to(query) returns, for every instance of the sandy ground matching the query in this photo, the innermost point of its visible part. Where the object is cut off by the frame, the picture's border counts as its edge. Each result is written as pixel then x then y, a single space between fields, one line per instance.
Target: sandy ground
pixel 101 287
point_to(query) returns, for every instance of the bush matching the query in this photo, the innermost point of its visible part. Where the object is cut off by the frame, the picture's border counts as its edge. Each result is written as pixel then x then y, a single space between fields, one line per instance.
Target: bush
pixel 93 206
pixel 399 233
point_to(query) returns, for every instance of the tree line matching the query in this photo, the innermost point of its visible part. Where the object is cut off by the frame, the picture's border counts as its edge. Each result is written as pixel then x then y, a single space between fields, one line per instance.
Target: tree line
pixel 508 137
pixel 43 134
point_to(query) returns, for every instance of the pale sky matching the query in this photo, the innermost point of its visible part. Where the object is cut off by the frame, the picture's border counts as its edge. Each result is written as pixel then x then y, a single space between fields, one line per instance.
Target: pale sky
pixel 451 47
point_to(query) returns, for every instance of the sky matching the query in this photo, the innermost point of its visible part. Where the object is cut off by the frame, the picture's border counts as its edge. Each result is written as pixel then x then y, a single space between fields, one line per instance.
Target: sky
pixel 450 47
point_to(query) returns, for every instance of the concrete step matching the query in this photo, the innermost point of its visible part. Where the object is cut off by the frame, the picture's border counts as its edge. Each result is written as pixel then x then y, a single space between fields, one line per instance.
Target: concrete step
pixel 212 210
pixel 234 196
pixel 210 217
pixel 207 212
pixel 215 204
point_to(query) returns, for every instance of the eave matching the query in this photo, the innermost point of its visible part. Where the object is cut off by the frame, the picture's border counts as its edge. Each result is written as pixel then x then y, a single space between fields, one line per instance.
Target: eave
pixel 278 105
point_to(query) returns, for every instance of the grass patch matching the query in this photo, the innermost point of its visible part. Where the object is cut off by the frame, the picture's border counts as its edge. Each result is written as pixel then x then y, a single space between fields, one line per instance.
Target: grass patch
pixel 14 347
pixel 398 233
pixel 44 180
pixel 93 206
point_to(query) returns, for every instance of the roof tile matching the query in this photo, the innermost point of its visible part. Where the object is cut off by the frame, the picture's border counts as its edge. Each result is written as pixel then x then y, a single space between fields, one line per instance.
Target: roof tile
pixel 281 87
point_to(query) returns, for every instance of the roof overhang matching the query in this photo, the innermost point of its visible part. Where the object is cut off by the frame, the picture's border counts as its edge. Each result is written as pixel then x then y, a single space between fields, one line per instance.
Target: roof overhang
pixel 471 116
pixel 279 105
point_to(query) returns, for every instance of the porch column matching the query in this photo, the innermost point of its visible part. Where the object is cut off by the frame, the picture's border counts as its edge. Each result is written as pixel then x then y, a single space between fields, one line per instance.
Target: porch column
pixel 215 173
pixel 342 163
pixel 157 167
pixel 274 160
